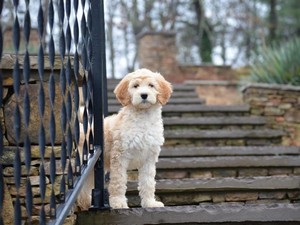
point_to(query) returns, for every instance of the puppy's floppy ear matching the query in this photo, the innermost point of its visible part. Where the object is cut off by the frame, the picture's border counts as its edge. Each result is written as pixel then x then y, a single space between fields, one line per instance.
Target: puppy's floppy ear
pixel 164 91
pixel 121 91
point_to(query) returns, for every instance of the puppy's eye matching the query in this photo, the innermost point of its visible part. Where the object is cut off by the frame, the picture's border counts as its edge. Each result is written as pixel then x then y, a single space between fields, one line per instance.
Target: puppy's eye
pixel 151 85
pixel 136 86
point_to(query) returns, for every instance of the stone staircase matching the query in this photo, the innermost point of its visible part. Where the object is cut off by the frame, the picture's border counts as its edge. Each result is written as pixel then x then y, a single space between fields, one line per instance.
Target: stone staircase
pixel 219 165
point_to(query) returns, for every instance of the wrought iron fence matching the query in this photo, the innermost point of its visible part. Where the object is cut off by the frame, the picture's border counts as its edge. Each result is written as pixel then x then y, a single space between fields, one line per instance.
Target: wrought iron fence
pixel 52 108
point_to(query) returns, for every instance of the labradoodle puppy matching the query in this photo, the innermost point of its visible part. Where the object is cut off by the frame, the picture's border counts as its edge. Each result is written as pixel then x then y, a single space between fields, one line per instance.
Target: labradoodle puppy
pixel 133 138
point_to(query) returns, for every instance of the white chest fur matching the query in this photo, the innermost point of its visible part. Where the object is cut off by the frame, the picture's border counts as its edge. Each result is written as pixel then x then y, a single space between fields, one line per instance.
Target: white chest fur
pixel 140 134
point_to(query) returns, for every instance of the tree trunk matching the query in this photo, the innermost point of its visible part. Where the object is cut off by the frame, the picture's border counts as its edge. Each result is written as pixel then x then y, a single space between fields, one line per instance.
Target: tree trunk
pixel 204 42
pixel 110 40
pixel 273 23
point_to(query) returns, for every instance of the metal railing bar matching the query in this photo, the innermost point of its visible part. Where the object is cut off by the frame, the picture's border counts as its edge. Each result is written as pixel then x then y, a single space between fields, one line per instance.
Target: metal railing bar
pixel 63 209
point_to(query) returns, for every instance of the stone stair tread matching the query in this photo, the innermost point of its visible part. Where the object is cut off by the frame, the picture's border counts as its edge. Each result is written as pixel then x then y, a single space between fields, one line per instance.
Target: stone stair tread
pixel 192 151
pixel 228 162
pixel 171 101
pixel 208 213
pixel 177 94
pixel 223 184
pixel 215 134
pixel 176 87
pixel 216 120
pixel 206 108
pixel 198 108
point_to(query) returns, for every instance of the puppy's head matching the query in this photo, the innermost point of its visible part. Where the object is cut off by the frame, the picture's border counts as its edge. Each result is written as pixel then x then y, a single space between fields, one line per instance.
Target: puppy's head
pixel 143 89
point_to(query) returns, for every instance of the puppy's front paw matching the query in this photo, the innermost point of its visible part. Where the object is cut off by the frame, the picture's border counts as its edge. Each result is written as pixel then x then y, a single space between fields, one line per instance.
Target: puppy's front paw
pixel 118 202
pixel 152 204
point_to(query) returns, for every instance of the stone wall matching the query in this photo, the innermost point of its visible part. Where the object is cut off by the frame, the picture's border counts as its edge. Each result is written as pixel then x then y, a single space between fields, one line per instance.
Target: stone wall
pixel 208 72
pixel 10 100
pixel 218 92
pixel 157 51
pixel 280 104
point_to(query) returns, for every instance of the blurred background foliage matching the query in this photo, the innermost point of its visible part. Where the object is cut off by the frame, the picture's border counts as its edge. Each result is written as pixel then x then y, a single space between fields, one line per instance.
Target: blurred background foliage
pixel 277 64
pixel 220 32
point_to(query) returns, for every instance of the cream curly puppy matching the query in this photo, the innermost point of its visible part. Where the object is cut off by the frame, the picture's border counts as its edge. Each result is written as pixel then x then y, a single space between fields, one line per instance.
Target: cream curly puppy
pixel 133 137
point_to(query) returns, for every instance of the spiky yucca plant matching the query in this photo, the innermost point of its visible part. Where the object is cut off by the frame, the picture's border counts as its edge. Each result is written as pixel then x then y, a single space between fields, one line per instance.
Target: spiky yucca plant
pixel 278 64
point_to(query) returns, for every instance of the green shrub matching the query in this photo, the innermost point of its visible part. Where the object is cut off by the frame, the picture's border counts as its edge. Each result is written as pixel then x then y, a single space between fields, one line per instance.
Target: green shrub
pixel 278 64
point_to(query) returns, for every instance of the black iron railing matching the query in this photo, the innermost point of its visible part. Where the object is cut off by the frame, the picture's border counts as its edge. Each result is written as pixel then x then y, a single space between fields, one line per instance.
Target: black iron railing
pixel 52 110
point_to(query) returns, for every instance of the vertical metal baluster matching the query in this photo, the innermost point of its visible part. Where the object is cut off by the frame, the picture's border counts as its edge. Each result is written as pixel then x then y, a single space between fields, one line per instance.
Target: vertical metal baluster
pixel 27 143
pixel 84 57
pixel 1 131
pixel 68 96
pixel 69 153
pixel 41 105
pixel 91 113
pixel 85 128
pixel 76 91
pixel 62 50
pixel 83 37
pixel 17 117
pixel 17 176
pixel 62 189
pixel 52 117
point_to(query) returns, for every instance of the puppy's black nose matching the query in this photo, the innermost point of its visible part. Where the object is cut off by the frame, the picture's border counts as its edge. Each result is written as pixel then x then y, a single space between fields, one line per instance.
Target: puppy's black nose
pixel 144 96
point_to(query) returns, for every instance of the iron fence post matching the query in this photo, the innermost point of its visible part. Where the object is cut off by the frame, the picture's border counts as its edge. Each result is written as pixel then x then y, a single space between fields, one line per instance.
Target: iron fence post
pixel 99 195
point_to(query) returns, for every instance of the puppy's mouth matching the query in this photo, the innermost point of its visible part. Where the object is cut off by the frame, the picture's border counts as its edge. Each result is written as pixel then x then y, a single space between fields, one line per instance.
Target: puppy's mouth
pixel 144 104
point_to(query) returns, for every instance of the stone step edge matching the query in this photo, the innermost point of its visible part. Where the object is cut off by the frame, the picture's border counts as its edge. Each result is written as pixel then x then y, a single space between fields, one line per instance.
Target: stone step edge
pixel 203 213
pixel 270 183
pixel 176 88
pixel 222 134
pixel 196 108
pixel 174 101
pixel 194 83
pixel 174 95
pixel 191 151
pixel 215 120
pixel 228 162
pixel 179 86
pixel 170 152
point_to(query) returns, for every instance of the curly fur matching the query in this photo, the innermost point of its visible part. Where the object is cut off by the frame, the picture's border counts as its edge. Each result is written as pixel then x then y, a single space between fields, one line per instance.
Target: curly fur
pixel 133 138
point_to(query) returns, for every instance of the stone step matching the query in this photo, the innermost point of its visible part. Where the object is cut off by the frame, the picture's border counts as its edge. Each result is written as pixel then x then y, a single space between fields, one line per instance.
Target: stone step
pixel 221 134
pixel 172 101
pixel 220 122
pixel 234 164
pixel 176 87
pixel 222 189
pixel 194 151
pixel 178 94
pixel 223 184
pixel 205 213
pixel 228 162
pixel 198 110
pixel 218 137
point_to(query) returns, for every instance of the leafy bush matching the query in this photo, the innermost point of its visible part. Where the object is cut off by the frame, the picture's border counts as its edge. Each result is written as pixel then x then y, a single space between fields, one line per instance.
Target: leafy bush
pixel 278 64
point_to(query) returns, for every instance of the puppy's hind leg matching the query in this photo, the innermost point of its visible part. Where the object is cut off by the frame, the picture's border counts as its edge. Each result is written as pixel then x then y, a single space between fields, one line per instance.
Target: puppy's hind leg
pixel 117 184
pixel 147 185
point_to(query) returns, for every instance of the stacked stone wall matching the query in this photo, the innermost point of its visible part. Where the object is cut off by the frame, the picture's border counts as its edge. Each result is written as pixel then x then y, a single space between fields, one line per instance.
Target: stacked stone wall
pixel 10 100
pixel 157 51
pixel 280 104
